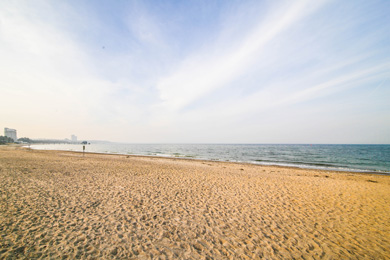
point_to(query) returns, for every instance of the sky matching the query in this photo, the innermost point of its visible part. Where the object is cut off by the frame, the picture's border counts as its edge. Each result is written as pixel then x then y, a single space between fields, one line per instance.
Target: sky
pixel 197 71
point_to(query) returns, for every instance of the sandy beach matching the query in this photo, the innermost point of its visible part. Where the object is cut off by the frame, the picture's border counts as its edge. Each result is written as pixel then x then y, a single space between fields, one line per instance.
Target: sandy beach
pixel 61 205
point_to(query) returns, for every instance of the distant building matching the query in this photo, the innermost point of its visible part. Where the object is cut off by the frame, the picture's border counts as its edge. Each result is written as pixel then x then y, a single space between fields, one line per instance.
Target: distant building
pixel 11 133
pixel 74 138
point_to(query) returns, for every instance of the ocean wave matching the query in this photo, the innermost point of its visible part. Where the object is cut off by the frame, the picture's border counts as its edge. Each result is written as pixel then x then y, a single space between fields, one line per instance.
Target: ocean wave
pixel 326 157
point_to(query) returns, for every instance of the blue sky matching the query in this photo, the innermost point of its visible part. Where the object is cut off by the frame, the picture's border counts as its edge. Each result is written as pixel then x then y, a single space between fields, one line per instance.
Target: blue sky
pixel 197 71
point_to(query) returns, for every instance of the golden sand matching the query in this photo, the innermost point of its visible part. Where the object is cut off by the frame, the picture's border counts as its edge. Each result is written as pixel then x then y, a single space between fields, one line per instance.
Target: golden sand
pixel 61 205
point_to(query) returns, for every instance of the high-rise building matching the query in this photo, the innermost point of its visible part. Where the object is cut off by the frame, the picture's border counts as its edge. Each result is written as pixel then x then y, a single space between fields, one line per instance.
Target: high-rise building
pixel 11 133
pixel 74 138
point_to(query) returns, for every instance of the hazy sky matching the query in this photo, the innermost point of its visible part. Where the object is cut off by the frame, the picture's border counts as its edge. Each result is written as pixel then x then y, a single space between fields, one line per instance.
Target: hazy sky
pixel 197 71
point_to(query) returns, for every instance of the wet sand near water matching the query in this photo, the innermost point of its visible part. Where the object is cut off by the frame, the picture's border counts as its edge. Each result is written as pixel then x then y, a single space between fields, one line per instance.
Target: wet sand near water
pixel 61 205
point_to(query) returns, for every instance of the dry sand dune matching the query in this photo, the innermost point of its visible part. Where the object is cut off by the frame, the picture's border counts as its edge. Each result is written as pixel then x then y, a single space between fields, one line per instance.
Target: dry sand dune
pixel 61 205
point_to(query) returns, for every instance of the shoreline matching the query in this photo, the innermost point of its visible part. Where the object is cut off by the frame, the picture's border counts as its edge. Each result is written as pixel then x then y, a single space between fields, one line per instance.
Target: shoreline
pixel 59 204
pixel 330 169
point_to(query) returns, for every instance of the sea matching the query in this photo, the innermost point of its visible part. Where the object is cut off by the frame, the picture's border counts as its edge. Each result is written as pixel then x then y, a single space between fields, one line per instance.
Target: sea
pixel 335 157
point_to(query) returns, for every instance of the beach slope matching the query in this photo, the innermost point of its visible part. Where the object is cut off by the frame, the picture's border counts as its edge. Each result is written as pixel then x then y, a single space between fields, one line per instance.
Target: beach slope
pixel 56 204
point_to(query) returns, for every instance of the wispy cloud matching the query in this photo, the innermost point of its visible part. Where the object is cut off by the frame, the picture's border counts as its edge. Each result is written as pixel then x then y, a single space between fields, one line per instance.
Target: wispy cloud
pixel 184 72
pixel 203 72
